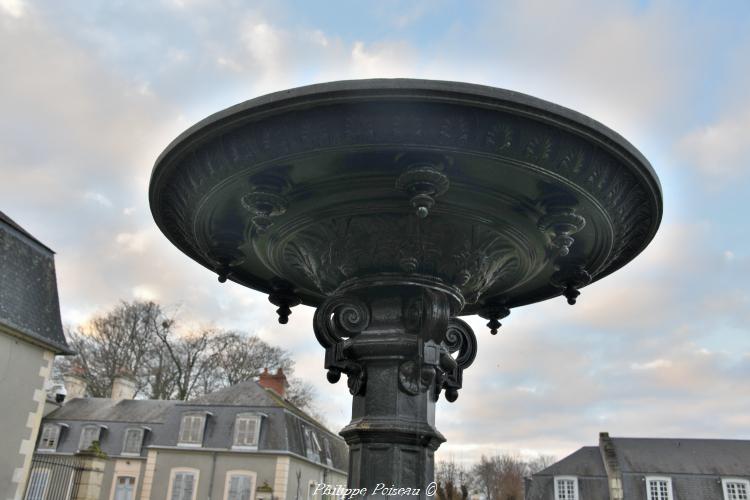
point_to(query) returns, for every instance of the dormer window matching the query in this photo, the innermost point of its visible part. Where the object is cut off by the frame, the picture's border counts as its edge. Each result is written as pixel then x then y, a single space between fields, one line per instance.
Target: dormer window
pixel 191 429
pixel 89 434
pixel 246 431
pixel 327 449
pixel 133 441
pixel 312 444
pixel 49 438
pixel 736 489
pixel 658 488
pixel 566 488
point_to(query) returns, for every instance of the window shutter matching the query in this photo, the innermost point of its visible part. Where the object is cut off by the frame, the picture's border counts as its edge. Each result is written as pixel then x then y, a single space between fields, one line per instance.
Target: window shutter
pixel 250 431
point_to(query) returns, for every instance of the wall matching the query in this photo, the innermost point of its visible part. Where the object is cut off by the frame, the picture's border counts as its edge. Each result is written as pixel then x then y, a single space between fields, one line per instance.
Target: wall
pixel 263 465
pixel 24 368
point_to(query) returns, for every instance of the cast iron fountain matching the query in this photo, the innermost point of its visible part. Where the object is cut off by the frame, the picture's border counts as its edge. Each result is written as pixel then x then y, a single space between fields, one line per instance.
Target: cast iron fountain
pixel 393 207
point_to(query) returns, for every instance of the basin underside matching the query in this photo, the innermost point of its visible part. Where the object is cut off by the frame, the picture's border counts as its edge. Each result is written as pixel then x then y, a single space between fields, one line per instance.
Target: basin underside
pixel 309 190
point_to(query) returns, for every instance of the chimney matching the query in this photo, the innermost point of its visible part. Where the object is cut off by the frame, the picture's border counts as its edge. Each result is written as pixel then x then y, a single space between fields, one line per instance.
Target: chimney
pixel 75 384
pixel 611 465
pixel 123 386
pixel 277 382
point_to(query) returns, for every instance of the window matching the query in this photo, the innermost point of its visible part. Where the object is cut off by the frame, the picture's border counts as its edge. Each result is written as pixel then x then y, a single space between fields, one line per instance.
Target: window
pixel 312 445
pixel 183 484
pixel 89 434
pixel 246 430
pixel 659 488
pixel 50 437
pixel 191 430
pixel 37 488
pixel 133 441
pixel 240 485
pixel 736 489
pixel 327 449
pixel 566 488
pixel 124 488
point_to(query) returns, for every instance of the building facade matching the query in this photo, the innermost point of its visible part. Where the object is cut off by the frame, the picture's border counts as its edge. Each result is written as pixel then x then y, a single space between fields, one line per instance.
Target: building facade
pixel 31 335
pixel 648 469
pixel 246 442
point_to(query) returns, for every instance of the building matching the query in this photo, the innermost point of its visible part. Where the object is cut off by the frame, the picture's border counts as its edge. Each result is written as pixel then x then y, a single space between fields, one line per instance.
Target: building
pixel 648 469
pixel 245 442
pixel 31 335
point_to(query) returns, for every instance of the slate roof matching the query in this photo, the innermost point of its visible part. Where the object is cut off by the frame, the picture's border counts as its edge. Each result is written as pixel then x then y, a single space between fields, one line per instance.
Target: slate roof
pixel 586 464
pixel 587 461
pixel 718 457
pixel 29 304
pixel 281 430
pixel 695 467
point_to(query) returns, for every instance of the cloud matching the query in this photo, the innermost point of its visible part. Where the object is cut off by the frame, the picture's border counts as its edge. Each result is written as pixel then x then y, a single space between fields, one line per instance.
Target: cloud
pixel 720 150
pixel 14 8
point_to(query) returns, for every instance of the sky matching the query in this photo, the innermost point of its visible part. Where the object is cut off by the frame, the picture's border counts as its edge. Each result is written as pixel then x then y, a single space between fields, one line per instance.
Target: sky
pixel 91 92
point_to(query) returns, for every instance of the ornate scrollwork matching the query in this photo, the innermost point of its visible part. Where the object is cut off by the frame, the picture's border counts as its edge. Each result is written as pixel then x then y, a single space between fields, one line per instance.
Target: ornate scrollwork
pixel 337 319
pixel 473 258
pixel 458 338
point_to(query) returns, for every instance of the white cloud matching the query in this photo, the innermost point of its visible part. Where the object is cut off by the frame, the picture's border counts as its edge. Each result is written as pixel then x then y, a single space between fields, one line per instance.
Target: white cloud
pixel 655 364
pixel 134 242
pixel 720 150
pixel 98 198
pixel 14 8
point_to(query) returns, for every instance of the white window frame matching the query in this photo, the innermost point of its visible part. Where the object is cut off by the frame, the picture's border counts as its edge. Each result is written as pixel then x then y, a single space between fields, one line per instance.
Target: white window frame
pixel 650 479
pixel 248 416
pixel 725 483
pixel 248 473
pixel 182 470
pixel 125 453
pixel 203 416
pixel 574 479
pixel 57 429
pixel 83 433
pixel 46 473
pixel 114 484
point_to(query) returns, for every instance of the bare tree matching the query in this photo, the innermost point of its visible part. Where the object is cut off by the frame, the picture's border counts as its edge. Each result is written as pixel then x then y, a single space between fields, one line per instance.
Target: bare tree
pixel 119 340
pixel 244 357
pixel 453 482
pixel 539 463
pixel 138 337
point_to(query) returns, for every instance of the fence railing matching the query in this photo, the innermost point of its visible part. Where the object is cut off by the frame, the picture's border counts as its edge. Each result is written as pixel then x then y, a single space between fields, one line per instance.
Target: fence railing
pixel 54 477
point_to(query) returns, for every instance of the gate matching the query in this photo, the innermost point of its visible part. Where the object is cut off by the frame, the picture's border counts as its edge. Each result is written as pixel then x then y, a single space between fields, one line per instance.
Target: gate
pixel 54 477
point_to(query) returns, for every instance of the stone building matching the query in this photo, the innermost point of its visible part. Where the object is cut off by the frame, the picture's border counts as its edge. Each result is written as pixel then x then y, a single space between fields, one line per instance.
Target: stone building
pixel 245 442
pixel 648 469
pixel 31 335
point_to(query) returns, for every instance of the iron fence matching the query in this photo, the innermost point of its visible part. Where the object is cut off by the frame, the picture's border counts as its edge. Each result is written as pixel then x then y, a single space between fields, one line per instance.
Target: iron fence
pixel 54 477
